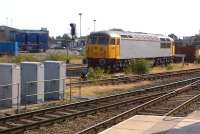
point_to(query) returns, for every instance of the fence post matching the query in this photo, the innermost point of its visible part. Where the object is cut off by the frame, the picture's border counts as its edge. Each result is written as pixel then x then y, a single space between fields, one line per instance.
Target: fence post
pixel 63 89
pixel 70 90
pixel 26 91
pixel 80 94
pixel 18 101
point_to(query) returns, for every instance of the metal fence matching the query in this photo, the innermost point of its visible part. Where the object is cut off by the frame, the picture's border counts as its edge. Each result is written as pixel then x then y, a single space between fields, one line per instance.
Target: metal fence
pixel 75 92
pixel 10 96
pixel 20 95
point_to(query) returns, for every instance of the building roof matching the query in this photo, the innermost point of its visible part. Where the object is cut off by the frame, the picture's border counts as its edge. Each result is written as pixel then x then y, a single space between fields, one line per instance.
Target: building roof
pixel 7 28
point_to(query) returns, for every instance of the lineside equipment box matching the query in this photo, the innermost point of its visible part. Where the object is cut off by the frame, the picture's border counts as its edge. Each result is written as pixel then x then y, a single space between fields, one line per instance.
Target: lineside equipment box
pixel 32 82
pixel 9 85
pixel 54 74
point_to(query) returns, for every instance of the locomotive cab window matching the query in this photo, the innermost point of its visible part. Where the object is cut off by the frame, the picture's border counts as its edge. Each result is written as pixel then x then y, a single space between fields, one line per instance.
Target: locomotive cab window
pixel 92 40
pixel 103 40
pixel 112 41
pixel 165 45
pixel 124 36
pixel 162 39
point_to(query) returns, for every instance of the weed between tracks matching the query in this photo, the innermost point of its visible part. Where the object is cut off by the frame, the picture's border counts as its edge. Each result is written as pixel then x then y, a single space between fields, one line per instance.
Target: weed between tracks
pixel 72 126
pixel 49 55
pixel 174 67
pixel 93 91
pixel 104 90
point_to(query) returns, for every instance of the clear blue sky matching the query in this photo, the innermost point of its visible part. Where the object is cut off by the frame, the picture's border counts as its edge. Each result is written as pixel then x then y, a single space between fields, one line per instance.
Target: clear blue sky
pixel 155 16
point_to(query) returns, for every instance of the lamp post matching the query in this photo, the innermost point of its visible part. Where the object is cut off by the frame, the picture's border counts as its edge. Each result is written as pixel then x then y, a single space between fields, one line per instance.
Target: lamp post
pixel 80 14
pixel 94 24
pixel 7 21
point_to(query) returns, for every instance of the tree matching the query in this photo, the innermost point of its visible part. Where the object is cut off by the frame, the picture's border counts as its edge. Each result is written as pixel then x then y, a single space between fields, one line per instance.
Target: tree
pixel 66 37
pixel 52 40
pixel 58 37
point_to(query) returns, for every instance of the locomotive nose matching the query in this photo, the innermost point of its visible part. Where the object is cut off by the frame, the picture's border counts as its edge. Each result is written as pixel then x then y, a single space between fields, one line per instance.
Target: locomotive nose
pixel 96 51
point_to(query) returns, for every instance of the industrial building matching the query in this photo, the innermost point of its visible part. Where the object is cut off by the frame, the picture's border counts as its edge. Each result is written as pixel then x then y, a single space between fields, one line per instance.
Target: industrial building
pixel 27 40
pixel 7 33
pixel 188 46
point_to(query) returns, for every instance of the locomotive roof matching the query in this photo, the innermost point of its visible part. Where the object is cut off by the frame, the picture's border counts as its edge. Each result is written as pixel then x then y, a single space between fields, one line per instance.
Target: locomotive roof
pixel 133 35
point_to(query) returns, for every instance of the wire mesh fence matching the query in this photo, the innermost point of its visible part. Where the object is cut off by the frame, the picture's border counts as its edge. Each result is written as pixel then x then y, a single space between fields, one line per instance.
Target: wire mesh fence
pixel 20 95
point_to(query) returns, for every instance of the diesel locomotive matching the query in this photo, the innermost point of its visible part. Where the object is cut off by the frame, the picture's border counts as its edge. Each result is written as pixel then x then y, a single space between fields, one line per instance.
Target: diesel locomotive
pixel 114 49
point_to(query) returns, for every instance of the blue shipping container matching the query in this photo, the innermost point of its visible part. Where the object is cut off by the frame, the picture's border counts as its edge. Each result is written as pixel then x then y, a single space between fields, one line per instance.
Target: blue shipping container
pixel 12 36
pixel 43 39
pixel 32 38
pixel 10 48
pixel 21 37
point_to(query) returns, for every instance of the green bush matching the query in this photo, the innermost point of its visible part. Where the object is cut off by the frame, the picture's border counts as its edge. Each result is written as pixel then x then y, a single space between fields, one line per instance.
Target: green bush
pixel 57 57
pixel 5 59
pixel 91 74
pixel 138 66
pixel 128 69
pixel 197 59
pixel 169 67
pixel 96 73
pixel 21 58
pixel 99 73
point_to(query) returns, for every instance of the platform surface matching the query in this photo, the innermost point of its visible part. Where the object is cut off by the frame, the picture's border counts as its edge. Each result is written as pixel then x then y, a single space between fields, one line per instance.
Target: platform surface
pixel 145 124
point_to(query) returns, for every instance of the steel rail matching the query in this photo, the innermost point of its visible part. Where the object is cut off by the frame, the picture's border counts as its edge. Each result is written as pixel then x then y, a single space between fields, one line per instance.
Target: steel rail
pixel 134 78
pixel 112 121
pixel 50 121
pixel 126 94
pixel 86 112
pixel 183 106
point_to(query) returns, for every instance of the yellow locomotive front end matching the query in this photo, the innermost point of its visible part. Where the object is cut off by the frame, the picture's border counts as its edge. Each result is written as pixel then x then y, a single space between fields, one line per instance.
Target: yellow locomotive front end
pixel 172 48
pixel 102 49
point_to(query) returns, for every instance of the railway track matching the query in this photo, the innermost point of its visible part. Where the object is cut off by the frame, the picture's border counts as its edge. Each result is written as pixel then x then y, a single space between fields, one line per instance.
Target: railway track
pixel 174 103
pixel 75 69
pixel 113 105
pixel 135 78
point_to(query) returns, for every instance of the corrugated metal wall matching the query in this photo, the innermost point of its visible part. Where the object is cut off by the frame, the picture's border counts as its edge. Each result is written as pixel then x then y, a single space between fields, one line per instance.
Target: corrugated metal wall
pixel 188 51
pixel 32 39
pixel 10 48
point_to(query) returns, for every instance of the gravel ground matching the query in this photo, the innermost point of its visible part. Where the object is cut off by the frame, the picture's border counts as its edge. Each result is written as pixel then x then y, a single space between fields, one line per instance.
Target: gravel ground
pixel 72 126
